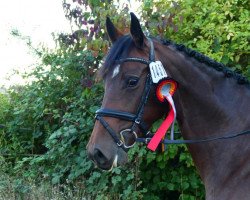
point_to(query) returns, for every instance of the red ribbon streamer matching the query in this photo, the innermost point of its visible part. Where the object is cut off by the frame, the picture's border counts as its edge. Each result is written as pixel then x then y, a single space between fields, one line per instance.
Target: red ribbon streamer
pixel 160 133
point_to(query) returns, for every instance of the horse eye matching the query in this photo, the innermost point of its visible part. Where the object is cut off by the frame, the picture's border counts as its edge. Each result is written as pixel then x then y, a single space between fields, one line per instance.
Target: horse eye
pixel 132 81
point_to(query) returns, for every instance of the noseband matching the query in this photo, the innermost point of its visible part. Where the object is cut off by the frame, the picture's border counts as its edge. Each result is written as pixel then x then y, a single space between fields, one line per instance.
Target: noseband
pixel 137 118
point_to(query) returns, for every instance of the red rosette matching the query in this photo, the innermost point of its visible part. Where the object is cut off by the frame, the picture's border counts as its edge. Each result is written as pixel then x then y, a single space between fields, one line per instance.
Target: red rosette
pixel 165 85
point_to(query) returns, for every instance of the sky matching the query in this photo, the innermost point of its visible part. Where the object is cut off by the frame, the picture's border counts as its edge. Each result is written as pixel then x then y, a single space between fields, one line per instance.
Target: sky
pixel 34 18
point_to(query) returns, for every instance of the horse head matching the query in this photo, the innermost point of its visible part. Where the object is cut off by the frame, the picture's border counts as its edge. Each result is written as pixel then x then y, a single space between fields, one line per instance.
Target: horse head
pixel 128 108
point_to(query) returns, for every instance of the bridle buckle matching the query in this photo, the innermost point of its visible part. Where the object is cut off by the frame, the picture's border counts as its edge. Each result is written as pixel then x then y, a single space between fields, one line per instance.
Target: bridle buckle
pixel 137 121
pixel 147 140
pixel 120 143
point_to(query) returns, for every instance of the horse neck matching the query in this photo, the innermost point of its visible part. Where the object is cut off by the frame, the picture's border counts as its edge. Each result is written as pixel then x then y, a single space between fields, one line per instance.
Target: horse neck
pixel 198 100
pixel 204 97
pixel 206 105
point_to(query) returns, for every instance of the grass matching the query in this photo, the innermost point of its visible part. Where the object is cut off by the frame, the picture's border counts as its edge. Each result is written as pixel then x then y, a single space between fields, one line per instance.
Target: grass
pixel 15 189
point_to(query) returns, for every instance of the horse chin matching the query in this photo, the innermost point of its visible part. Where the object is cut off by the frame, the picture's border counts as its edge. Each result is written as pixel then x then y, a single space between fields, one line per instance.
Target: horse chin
pixel 120 159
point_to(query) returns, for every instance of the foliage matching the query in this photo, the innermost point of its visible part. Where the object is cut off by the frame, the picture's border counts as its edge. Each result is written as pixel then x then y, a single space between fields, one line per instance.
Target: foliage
pixel 4 105
pixel 219 28
pixel 49 121
pixel 12 189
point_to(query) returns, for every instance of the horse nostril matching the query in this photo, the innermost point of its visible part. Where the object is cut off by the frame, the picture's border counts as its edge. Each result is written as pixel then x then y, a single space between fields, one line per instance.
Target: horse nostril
pixel 99 157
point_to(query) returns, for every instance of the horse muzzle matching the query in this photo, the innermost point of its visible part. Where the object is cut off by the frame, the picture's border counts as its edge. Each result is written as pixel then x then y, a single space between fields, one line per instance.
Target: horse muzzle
pixel 103 160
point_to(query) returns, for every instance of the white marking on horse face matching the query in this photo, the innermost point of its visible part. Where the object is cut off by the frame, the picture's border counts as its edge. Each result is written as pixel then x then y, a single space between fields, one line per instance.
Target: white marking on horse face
pixel 116 71
pixel 114 163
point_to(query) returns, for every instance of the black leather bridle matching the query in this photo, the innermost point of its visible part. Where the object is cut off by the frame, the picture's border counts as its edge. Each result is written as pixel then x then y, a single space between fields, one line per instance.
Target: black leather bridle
pixel 137 118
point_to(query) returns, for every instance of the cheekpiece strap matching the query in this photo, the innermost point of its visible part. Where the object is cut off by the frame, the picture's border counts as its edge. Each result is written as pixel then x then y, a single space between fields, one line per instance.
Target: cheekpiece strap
pixel 152 52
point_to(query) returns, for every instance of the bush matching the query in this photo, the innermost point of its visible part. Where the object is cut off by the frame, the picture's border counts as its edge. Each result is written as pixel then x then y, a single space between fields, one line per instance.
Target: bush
pixel 49 121
pixel 4 106
pixel 219 28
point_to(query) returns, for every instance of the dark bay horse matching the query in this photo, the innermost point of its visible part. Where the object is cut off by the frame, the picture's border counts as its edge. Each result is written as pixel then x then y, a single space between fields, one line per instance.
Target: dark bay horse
pixel 210 101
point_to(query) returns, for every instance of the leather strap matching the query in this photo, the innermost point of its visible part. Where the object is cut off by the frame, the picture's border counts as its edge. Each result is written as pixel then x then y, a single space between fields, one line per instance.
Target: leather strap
pixel 103 112
pixel 197 141
pixel 111 132
pixel 140 60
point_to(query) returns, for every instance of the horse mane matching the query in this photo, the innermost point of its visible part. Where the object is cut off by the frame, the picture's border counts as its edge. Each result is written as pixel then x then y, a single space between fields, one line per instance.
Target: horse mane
pixel 122 46
pixel 208 61
pixel 118 50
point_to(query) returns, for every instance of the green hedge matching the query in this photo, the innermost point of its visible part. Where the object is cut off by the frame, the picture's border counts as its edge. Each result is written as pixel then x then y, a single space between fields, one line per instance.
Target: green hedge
pixel 217 28
pixel 49 121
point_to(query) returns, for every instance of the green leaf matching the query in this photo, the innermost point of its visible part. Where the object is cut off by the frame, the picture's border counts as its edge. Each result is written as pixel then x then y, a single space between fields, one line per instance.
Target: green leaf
pixel 170 186
pixel 56 180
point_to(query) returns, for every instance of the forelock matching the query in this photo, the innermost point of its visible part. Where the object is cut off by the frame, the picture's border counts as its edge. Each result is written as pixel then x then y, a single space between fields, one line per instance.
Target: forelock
pixel 119 49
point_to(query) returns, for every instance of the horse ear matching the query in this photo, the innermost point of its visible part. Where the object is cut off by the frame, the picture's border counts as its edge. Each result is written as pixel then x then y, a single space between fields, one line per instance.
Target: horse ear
pixel 113 32
pixel 136 31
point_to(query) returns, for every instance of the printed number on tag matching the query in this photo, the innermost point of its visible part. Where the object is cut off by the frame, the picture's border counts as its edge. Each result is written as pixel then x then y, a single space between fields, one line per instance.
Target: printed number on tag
pixel 157 71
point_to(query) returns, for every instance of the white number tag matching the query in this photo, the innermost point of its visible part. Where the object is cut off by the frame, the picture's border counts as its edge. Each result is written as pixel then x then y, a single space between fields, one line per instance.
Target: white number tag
pixel 157 71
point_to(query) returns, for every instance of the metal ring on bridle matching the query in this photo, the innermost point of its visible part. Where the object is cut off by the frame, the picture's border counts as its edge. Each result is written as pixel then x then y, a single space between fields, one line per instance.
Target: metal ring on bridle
pixel 122 137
